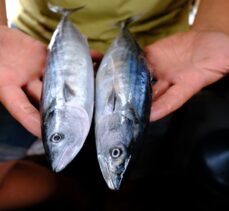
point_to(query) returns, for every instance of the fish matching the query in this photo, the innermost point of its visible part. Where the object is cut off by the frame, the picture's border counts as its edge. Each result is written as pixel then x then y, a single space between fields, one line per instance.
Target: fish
pixel 67 100
pixel 122 106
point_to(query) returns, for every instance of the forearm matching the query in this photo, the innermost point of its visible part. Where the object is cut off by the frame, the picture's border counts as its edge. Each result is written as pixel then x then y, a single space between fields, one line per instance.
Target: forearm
pixel 212 16
pixel 3 19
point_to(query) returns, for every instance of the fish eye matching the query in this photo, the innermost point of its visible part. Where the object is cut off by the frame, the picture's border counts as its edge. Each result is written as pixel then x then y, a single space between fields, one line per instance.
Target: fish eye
pixel 116 152
pixel 57 137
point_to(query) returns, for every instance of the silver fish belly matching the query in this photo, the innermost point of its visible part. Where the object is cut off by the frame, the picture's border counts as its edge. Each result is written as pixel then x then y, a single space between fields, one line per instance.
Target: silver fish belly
pixel 123 100
pixel 67 95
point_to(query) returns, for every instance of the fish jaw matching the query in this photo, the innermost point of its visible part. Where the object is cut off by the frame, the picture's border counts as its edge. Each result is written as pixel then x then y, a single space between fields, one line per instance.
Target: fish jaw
pixel 114 143
pixel 64 135
pixel 67 156
pixel 112 176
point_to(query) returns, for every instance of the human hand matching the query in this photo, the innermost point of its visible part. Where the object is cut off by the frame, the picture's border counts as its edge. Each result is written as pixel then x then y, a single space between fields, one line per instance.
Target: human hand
pixel 183 64
pixel 22 60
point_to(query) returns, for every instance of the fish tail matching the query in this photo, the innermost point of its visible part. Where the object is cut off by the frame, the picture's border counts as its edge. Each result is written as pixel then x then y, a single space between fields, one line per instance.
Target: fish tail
pixel 63 11
pixel 124 23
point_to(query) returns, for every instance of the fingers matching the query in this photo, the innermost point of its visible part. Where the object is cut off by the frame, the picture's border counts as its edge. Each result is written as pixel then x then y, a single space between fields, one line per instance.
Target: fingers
pixel 159 88
pixel 34 89
pixel 16 102
pixel 171 100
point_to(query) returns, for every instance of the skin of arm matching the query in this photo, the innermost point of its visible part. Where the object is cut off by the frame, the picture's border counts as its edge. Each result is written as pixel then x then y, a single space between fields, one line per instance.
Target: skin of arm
pixel 3 19
pixel 212 16
pixel 186 62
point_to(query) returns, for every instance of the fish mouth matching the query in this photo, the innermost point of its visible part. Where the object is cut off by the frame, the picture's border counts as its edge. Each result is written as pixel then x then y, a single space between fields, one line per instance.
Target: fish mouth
pixel 113 179
pixel 67 156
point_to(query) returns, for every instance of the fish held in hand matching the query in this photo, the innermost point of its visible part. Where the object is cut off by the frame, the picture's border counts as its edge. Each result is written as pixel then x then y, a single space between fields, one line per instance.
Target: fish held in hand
pixel 67 94
pixel 123 100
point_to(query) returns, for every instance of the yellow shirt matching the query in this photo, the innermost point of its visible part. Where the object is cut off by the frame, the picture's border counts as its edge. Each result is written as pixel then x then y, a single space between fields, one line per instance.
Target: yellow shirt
pixel 157 19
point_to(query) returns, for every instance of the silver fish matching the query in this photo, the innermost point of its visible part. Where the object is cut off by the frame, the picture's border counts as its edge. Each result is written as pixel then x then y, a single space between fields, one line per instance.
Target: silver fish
pixel 67 95
pixel 123 99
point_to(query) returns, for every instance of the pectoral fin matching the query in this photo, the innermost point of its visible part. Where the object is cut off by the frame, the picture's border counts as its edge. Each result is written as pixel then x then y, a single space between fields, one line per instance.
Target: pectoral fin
pixel 68 92
pixel 113 101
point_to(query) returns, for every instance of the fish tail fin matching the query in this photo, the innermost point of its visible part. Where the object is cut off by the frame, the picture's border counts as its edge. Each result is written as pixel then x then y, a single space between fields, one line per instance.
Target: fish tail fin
pixel 124 23
pixel 63 11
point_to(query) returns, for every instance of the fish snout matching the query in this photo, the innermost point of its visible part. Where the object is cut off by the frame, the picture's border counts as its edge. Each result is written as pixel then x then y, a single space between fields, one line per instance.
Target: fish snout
pixel 111 177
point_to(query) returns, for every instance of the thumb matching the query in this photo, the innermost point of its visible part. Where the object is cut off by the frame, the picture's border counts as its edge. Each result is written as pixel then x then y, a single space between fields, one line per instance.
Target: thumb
pixel 17 103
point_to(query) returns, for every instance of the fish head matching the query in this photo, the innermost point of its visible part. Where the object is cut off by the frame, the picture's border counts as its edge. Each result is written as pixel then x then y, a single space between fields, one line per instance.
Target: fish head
pixel 114 147
pixel 64 132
